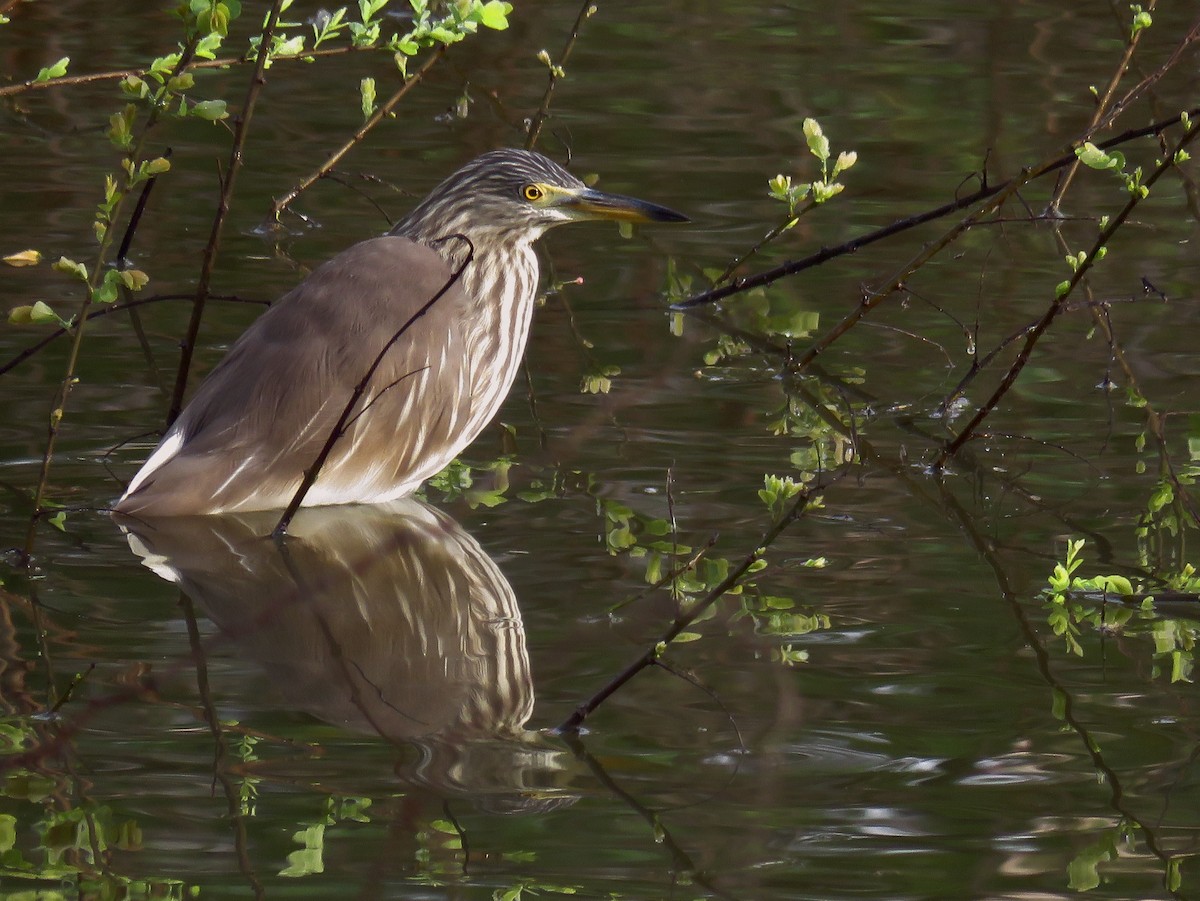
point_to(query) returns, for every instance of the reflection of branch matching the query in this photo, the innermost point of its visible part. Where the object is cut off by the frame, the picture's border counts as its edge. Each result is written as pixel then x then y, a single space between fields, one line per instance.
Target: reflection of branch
pixel 339 428
pixel 680 858
pixel 650 656
pixel 234 165
pixel 686 566
pixel 535 124
pixel 282 203
pixel 763 279
pixel 220 748
pixel 984 547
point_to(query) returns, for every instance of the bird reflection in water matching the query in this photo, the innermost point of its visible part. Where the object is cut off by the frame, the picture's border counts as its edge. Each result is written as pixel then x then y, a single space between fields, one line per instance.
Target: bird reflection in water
pixel 388 619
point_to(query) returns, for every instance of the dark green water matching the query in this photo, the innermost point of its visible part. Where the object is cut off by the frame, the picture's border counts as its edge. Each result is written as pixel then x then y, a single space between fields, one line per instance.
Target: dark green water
pixel 384 691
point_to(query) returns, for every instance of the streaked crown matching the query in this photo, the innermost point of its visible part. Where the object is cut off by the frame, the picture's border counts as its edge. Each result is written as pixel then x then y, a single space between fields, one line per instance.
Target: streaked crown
pixel 494 196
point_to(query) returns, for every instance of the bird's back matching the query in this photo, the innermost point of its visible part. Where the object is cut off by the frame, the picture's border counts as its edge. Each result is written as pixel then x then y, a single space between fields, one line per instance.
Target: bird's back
pixel 263 414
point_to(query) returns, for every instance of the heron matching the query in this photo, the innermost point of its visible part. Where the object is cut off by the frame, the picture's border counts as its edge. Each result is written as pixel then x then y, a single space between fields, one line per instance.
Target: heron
pixel 457 280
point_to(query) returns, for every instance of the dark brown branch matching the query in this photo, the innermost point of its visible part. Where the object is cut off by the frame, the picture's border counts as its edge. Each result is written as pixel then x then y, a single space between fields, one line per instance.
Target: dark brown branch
pixel 108 311
pixel 117 74
pixel 214 239
pixel 282 203
pixel 747 283
pixel 339 428
pixel 59 404
pixel 1059 304
pixel 650 656
pixel 136 218
pixel 586 11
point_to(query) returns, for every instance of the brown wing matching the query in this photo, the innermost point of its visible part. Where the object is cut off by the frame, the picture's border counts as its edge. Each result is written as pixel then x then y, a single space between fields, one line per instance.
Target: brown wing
pixel 261 417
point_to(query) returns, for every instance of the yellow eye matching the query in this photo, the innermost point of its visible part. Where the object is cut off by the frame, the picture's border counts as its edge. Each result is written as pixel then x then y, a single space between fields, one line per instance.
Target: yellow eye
pixel 532 192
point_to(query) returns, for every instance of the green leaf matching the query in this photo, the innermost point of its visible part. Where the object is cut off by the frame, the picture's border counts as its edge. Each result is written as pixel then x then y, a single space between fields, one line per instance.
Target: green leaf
pixel 120 127
pixel 132 86
pixel 70 267
pixel 846 159
pixel 366 92
pixel 183 82
pixel 211 110
pixel 157 166
pixel 494 14
pixel 133 279
pixel 41 312
pixel 58 70
pixel 208 46
pixel 106 291
pixel 308 861
pixel 818 144
pixel 1095 158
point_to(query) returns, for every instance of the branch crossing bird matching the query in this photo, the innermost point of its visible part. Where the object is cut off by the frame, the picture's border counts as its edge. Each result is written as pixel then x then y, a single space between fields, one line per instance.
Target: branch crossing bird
pixel 262 416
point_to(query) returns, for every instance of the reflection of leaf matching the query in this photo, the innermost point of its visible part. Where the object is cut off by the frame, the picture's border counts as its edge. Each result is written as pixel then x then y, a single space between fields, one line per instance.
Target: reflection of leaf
pixel 308 860
pixel 1083 872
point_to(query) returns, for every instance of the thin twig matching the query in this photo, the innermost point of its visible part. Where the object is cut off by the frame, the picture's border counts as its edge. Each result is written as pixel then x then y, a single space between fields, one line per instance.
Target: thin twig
pixel 214 239
pixel 687 566
pixel 108 311
pixel 1059 304
pixel 69 379
pixel 747 283
pixel 650 656
pixel 339 428
pixel 586 11
pixel 224 62
pixel 1060 190
pixel 282 203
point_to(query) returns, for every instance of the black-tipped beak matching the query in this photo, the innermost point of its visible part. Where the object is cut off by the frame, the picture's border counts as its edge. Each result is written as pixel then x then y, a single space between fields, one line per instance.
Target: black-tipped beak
pixel 591 204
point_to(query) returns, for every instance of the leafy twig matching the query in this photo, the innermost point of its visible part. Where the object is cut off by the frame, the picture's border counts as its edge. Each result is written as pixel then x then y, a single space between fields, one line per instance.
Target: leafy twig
pixel 282 203
pixel 748 283
pixel 586 11
pixel 108 311
pixel 650 656
pixel 1064 291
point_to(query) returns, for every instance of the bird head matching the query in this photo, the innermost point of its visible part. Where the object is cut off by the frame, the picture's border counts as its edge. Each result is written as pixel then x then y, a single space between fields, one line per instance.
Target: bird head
pixel 518 194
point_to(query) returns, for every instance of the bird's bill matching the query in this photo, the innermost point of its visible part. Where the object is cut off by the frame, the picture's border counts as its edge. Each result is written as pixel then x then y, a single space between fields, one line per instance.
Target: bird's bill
pixel 588 203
